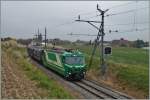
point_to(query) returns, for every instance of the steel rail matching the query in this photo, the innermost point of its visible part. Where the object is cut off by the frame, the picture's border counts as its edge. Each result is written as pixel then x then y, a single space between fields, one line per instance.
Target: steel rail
pixel 100 91
pixel 91 90
pixel 106 90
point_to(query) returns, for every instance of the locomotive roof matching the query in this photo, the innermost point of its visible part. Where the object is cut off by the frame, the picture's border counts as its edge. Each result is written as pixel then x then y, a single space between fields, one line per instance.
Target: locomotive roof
pixel 35 47
pixel 66 52
pixel 62 51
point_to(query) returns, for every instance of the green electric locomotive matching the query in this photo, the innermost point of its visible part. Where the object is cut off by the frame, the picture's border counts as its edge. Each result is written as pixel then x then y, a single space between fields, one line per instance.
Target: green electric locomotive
pixel 68 63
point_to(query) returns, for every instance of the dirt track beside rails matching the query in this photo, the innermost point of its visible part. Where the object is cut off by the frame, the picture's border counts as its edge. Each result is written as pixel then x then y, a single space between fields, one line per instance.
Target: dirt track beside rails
pixel 15 83
pixel 78 92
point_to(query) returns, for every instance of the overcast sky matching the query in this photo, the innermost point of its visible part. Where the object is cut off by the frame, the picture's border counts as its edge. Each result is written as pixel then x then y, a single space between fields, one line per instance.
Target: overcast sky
pixel 21 19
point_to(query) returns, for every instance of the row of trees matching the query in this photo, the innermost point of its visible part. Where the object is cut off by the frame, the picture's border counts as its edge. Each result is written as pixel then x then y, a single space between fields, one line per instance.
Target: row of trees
pixel 140 43
pixel 123 43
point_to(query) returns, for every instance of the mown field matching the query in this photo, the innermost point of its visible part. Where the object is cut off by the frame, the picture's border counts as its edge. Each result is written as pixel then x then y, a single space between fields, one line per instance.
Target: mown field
pixel 129 68
pixel 22 80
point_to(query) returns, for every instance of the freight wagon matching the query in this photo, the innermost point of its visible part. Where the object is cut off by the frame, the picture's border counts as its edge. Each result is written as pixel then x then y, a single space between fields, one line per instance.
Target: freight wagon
pixel 68 63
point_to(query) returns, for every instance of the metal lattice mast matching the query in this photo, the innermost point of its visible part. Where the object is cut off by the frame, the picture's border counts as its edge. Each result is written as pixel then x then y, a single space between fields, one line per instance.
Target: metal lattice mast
pixel 103 65
pixel 100 34
pixel 45 36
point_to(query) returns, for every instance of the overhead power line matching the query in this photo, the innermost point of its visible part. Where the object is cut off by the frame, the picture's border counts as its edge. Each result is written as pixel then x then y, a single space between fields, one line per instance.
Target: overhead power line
pixel 67 23
pixel 83 34
pixel 87 13
pixel 132 2
pixel 132 30
pixel 127 24
pixel 124 31
pixel 125 12
pixel 119 13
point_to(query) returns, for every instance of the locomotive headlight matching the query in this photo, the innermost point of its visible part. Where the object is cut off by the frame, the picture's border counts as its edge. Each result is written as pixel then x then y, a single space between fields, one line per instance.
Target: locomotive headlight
pixel 69 73
pixel 81 66
pixel 83 72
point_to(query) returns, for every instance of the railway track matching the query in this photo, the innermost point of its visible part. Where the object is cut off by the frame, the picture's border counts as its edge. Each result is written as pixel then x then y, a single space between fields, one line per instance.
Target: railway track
pixel 90 87
pixel 101 91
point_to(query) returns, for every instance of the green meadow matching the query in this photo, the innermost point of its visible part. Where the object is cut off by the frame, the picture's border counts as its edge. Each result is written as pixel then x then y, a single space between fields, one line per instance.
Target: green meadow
pixel 130 65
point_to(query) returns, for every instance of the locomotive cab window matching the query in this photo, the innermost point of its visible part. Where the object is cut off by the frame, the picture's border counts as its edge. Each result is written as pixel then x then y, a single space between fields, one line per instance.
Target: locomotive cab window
pixel 74 60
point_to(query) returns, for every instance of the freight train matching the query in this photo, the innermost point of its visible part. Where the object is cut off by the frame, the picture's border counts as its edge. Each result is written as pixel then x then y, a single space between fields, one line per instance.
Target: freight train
pixel 66 62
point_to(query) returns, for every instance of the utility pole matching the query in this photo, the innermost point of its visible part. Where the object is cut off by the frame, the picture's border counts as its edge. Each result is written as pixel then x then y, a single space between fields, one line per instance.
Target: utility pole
pixel 100 34
pixel 38 36
pixel 103 64
pixel 45 36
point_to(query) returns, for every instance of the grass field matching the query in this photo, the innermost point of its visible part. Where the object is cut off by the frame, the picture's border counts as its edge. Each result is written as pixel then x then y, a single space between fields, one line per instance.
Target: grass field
pixel 130 66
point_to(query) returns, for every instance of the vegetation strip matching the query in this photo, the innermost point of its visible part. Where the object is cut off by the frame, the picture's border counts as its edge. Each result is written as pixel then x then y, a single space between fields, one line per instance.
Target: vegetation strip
pixel 130 66
pixel 51 86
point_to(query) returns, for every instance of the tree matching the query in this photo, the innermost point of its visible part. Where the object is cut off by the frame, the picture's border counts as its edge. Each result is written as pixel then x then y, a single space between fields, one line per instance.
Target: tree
pixel 139 43
pixel 24 41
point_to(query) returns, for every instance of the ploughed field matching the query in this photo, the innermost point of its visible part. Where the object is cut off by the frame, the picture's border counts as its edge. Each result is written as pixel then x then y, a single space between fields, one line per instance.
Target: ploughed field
pixel 128 68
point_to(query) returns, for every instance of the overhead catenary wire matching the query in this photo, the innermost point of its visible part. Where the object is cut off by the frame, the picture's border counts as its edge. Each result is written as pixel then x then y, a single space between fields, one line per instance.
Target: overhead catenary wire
pixel 122 24
pixel 71 22
pixel 125 12
pixel 119 31
pixel 88 13
pixel 125 4
pixel 67 23
pixel 116 6
pixel 108 15
pixel 132 30
pixel 107 25
pixel 92 12
pixel 111 26
pixel 119 13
